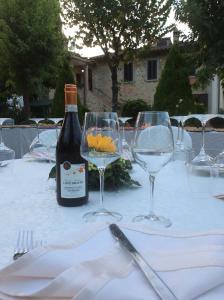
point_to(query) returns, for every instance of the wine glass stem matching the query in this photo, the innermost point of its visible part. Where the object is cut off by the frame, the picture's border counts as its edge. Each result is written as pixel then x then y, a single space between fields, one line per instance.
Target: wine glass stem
pixel 151 200
pixel 203 139
pixel 123 136
pixel 56 127
pixel 182 136
pixel 38 132
pixel 178 134
pixel 1 138
pixel 101 173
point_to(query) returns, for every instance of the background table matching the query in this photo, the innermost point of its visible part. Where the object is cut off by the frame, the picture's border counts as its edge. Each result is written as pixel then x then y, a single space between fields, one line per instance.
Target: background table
pixel 19 139
pixel 28 201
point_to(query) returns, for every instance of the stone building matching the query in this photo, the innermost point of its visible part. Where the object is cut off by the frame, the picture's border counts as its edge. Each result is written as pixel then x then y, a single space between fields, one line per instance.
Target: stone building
pixel 138 79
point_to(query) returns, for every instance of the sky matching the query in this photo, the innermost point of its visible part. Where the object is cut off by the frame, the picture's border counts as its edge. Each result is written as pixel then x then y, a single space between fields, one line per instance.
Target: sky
pixel 90 52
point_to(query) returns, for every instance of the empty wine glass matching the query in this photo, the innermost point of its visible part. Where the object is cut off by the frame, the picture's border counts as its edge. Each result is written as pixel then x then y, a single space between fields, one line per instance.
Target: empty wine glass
pixel 219 159
pixel 178 143
pixel 100 145
pixel 56 123
pixel 126 150
pixel 37 144
pixel 202 159
pixel 153 148
pixel 6 154
pixel 181 147
pixel 53 138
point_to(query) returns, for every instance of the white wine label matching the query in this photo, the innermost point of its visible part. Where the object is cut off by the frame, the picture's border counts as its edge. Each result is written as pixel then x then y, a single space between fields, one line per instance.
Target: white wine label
pixel 71 108
pixel 73 184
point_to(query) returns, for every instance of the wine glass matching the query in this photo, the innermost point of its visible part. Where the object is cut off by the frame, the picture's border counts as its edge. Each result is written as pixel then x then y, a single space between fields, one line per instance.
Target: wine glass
pixel 6 154
pixel 126 150
pixel 100 145
pixel 36 145
pixel 52 139
pixel 219 159
pixel 202 159
pixel 56 123
pixel 182 147
pixel 178 144
pixel 153 148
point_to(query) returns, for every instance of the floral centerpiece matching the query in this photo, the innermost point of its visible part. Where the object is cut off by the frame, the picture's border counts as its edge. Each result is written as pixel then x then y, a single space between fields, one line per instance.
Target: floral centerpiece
pixel 116 175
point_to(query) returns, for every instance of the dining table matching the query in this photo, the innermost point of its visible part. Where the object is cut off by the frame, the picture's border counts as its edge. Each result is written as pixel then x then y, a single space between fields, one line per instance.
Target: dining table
pixel 28 202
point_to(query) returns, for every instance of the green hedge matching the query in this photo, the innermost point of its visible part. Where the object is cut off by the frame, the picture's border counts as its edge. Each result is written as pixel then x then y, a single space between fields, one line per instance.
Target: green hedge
pixel 132 107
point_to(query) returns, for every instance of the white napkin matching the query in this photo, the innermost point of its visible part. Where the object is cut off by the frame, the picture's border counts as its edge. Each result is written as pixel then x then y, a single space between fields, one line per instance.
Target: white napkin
pixel 94 266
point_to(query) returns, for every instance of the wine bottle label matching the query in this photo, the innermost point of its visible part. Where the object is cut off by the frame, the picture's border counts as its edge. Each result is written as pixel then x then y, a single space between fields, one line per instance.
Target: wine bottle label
pixel 73 183
pixel 71 108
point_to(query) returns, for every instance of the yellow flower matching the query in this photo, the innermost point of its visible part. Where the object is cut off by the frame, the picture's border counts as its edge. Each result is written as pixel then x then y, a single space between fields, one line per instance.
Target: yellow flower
pixel 101 143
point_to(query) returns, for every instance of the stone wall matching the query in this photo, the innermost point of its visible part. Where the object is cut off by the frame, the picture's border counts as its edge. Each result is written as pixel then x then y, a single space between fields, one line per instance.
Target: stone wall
pixel 99 98
pixel 140 88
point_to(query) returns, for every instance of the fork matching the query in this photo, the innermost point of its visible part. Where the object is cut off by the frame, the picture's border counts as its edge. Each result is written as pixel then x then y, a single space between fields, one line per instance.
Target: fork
pixel 24 243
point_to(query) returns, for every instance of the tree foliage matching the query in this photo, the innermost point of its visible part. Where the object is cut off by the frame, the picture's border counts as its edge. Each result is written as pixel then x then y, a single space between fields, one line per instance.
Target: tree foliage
pixel 65 76
pixel 119 27
pixel 173 93
pixel 205 18
pixel 31 43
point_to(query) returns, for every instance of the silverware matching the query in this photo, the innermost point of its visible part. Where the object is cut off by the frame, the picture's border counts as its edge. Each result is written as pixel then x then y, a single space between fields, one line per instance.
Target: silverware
pixel 221 196
pixel 159 286
pixel 24 243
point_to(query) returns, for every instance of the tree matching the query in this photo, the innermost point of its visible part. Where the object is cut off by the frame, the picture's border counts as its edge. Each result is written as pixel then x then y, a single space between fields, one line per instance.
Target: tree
pixel 119 27
pixel 205 19
pixel 31 44
pixel 173 92
pixel 65 76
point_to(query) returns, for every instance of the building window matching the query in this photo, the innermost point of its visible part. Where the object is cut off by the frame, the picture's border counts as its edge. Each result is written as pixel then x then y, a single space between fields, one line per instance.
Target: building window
pixel 128 72
pixel 152 70
pixel 90 79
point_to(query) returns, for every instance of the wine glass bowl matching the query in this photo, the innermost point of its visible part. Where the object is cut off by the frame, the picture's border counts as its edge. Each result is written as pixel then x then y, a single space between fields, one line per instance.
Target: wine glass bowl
pixel 100 145
pixel 7 154
pixel 152 149
pixel 37 144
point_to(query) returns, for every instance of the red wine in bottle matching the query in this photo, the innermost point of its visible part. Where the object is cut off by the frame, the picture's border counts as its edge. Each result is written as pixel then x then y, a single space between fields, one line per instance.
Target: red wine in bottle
pixel 71 168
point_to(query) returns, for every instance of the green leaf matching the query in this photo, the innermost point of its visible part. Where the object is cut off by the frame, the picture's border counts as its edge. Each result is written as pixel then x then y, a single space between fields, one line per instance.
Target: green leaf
pixel 116 176
pixel 52 173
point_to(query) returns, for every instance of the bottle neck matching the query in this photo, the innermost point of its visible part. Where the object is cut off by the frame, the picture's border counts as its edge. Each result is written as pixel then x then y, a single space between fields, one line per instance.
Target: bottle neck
pixel 71 108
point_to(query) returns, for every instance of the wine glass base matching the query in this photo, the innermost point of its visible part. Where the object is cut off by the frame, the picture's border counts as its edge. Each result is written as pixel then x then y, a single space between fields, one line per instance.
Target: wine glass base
pixel 102 215
pixel 202 160
pixel 153 220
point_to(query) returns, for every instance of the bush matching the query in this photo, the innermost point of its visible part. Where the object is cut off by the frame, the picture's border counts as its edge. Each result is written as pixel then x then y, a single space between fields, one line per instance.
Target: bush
pixel 217 122
pixel 132 107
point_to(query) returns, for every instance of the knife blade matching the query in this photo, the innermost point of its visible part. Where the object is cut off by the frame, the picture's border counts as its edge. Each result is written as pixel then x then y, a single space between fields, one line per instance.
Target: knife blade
pixel 159 286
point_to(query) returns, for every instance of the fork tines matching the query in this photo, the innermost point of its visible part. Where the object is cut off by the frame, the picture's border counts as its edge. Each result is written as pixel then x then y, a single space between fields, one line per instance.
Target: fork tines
pixel 24 243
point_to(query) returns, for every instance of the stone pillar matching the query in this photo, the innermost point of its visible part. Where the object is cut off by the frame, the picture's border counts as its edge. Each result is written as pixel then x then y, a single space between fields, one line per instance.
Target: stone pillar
pixel 214 95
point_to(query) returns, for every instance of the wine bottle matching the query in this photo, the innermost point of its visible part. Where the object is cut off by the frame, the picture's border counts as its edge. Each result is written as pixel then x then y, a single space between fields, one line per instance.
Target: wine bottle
pixel 71 168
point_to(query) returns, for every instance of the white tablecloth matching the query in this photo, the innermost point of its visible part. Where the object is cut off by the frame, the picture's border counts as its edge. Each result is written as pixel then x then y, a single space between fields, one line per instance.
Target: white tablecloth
pixel 28 201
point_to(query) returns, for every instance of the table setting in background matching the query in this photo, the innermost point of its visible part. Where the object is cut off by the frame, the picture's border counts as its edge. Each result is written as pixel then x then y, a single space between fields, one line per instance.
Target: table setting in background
pixel 171 215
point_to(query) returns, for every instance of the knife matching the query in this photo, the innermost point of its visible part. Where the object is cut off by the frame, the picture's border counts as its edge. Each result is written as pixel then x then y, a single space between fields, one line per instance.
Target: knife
pixel 159 286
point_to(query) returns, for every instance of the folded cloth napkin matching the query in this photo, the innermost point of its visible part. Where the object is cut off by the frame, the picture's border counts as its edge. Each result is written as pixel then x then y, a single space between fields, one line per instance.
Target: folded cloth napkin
pixel 94 266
